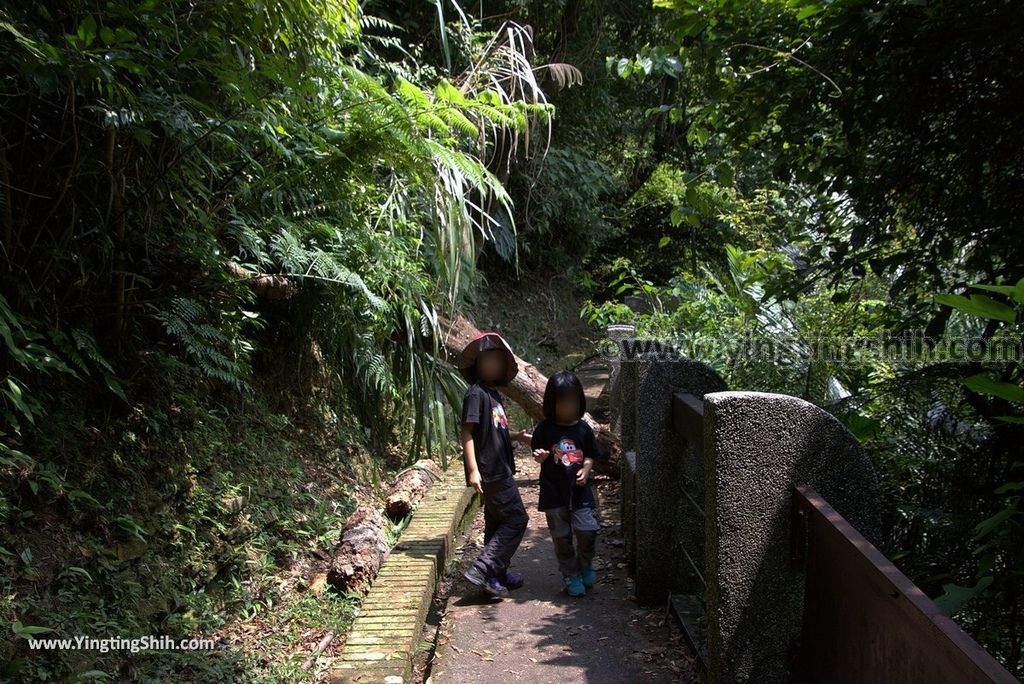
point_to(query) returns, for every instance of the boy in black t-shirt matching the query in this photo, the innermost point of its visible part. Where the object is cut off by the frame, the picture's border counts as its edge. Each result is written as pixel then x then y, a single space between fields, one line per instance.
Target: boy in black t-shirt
pixel 566 448
pixel 486 362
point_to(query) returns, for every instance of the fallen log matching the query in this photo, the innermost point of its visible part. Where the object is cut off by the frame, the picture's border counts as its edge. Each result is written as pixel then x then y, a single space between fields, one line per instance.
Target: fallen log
pixel 365 540
pixel 527 389
pixel 409 487
pixel 364 546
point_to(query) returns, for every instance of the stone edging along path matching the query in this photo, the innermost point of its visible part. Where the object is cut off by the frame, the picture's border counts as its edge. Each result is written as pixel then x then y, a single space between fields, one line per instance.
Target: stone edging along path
pixel 385 634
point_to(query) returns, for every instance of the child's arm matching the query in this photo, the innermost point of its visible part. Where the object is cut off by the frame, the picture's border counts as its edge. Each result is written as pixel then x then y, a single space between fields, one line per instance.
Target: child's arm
pixel 591 452
pixel 584 474
pixel 472 410
pixel 523 437
pixel 469 455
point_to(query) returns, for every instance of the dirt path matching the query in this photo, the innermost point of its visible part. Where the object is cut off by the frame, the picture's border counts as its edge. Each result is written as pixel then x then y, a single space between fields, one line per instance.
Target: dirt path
pixel 540 634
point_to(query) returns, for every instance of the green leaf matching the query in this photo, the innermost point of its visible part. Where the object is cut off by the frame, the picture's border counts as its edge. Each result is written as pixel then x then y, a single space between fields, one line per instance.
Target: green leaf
pixel 15 396
pixel 979 305
pixel 863 427
pixel 698 134
pixel 80 571
pixel 955 597
pixel 1014 292
pixel 726 174
pixel 25 631
pixel 991 524
pixel 1007 290
pixel 675 217
pixel 87 31
pixel 983 384
pixel 664 241
pixel 808 11
pixel 115 386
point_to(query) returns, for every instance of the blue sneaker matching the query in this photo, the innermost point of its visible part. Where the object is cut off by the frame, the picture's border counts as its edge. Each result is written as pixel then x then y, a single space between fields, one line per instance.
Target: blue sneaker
pixel 589 576
pixel 494 587
pixel 574 585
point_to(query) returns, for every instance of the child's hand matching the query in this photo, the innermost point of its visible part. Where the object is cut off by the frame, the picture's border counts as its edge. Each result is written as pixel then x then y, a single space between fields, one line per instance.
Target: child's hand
pixel 475 482
pixel 583 475
pixel 540 455
pixel 523 437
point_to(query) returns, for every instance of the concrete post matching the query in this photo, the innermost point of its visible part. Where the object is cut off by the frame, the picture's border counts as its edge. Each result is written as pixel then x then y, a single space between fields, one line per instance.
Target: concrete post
pixel 616 335
pixel 664 519
pixel 757 446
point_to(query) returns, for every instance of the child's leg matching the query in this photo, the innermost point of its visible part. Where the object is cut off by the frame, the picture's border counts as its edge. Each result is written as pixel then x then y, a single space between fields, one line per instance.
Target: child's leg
pixel 510 519
pixel 560 527
pixel 491 520
pixel 585 526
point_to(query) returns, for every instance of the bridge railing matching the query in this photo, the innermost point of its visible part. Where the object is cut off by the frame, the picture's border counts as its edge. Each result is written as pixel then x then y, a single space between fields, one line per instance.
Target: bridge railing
pixel 747 512
pixel 864 620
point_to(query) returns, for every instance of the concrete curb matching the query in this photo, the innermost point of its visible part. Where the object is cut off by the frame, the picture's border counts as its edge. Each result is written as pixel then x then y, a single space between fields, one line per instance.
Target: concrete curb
pixel 386 632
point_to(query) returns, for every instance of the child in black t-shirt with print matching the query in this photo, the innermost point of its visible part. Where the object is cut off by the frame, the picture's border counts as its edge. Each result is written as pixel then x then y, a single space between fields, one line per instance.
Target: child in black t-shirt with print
pixel 566 448
pixel 488 362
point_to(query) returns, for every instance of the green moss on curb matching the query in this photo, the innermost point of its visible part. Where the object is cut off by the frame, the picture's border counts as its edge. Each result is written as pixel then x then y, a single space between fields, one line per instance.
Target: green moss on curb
pixel 386 633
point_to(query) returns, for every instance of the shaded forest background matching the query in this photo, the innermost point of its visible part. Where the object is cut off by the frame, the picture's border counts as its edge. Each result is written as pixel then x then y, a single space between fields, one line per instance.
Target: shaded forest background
pixel 229 229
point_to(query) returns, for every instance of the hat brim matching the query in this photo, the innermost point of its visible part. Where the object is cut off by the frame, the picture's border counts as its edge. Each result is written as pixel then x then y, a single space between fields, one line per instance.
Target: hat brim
pixel 466 360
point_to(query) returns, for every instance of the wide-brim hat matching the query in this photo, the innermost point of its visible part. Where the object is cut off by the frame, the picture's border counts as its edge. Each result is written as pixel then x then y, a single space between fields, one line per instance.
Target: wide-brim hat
pixel 482 342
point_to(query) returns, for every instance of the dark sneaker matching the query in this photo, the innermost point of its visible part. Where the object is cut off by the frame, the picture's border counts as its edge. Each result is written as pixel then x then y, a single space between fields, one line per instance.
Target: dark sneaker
pixel 475 576
pixel 513 580
pixel 492 585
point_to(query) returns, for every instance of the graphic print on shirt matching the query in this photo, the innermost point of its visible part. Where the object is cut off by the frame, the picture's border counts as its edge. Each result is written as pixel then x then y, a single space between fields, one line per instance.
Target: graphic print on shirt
pixel 498 417
pixel 566 452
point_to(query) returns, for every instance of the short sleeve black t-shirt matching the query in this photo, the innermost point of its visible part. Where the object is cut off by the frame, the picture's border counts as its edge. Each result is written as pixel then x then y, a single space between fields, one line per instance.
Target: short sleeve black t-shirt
pixel 569 445
pixel 492 445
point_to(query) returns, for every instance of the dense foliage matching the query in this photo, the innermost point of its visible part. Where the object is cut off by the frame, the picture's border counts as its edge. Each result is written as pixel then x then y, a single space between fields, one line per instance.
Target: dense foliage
pixel 861 157
pixel 229 227
pixel 207 207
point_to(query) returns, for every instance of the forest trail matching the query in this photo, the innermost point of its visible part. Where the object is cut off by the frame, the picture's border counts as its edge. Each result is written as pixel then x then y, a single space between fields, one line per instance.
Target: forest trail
pixel 539 634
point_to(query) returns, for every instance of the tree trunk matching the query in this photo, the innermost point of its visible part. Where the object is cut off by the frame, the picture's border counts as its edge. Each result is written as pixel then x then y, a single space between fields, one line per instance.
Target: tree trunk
pixel 363 547
pixel 527 389
pixel 409 487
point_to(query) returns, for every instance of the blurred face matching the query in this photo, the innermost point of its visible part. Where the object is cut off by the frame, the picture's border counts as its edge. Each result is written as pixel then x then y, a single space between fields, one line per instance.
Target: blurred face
pixel 490 365
pixel 567 409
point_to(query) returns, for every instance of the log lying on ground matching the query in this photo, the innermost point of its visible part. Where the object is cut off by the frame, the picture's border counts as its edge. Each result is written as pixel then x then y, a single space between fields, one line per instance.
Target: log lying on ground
pixel 527 389
pixel 363 547
pixel 364 539
pixel 409 487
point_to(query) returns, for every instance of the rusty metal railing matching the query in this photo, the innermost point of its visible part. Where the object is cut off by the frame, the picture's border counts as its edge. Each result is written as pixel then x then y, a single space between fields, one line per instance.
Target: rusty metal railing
pixel 689 608
pixel 864 620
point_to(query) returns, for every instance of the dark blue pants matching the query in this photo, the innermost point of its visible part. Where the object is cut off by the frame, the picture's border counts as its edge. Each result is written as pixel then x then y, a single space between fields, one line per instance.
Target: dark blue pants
pixel 505 521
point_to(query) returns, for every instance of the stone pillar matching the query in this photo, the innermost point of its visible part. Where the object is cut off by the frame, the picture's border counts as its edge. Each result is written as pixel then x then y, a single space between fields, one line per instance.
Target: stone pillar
pixel 616 334
pixel 757 446
pixel 664 520
pixel 622 402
